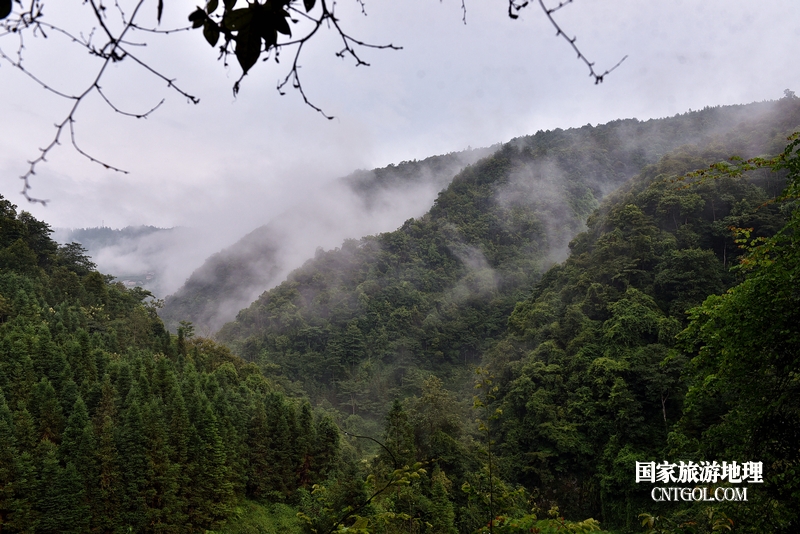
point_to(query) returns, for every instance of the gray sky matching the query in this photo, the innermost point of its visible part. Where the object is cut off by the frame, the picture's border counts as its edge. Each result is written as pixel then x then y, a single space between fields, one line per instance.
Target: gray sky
pixel 229 164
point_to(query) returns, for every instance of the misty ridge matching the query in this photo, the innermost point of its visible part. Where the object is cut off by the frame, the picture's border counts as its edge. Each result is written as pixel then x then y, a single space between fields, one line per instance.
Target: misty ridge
pixel 558 309
pixel 365 202
pixel 165 261
pixel 134 255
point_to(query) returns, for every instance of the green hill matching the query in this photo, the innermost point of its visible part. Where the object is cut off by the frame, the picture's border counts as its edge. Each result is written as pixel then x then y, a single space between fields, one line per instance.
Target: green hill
pixel 569 306
pixel 354 324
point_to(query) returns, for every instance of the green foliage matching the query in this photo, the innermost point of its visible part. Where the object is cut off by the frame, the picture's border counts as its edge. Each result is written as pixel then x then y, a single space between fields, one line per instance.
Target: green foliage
pixel 108 423
pixel 743 385
pixel 436 294
pixel 531 523
pixel 251 517
pixel 593 379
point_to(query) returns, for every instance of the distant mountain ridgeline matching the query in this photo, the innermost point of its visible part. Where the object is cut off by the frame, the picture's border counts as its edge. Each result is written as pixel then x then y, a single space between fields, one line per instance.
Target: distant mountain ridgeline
pixel 362 203
pixel 353 324
pixel 103 237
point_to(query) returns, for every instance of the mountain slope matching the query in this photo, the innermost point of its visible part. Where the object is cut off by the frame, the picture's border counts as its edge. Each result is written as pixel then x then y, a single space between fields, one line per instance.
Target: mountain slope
pixel 354 324
pixel 590 378
pixel 369 202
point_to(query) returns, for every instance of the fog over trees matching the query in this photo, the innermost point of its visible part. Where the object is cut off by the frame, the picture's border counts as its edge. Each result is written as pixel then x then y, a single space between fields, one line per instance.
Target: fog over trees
pixel 210 322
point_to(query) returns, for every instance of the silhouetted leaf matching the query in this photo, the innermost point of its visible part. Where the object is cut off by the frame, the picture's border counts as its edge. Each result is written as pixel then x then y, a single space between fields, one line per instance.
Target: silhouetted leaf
pixel 269 35
pixel 197 18
pixel 211 32
pixel 309 4
pixel 211 6
pixel 229 4
pixel 281 24
pixel 237 19
pixel 5 8
pixel 248 47
pixel 160 10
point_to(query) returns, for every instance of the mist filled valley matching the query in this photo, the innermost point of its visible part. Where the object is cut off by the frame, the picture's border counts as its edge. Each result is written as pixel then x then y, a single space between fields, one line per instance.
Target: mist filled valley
pixel 488 340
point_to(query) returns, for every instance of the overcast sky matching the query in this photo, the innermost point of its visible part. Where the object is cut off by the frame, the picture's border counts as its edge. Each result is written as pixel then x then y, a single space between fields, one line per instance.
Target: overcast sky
pixel 232 163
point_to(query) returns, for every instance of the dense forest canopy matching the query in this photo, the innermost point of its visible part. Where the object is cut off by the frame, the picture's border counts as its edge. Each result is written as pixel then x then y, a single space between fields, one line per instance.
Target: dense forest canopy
pixel 452 376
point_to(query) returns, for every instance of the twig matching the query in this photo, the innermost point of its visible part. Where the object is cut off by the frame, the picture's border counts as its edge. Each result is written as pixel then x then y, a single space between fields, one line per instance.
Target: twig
pixel 389 484
pixel 127 113
pixel 170 82
pixel 156 30
pixel 111 51
pixel 598 78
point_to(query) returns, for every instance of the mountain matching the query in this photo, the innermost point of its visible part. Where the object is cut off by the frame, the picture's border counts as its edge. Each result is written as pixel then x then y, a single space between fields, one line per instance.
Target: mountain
pixel 379 200
pixel 142 256
pixel 436 293
pixel 519 358
pixel 591 374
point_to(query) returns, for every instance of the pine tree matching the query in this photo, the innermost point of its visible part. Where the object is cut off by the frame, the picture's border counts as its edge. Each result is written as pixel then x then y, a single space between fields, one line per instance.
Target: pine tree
pixel 162 492
pixel 442 514
pixel 134 468
pixel 25 430
pixel 17 371
pixel 46 410
pixel 211 495
pixel 258 454
pixel 107 495
pixel 398 437
pixel 81 360
pixel 61 495
pixel 79 448
pixel 304 440
pixel 326 449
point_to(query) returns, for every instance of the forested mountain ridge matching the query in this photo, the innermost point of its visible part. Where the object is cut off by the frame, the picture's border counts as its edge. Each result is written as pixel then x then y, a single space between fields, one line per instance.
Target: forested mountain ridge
pixel 108 423
pixel 592 377
pixel 232 279
pixel 589 375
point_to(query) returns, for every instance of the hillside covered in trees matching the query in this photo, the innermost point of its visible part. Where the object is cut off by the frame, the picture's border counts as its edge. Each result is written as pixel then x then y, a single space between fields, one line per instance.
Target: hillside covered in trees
pixel 589 373
pixel 592 160
pixel 570 305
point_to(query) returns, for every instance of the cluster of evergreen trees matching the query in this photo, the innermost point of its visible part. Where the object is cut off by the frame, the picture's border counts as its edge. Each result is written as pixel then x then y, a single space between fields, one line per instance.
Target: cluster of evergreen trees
pixel 109 424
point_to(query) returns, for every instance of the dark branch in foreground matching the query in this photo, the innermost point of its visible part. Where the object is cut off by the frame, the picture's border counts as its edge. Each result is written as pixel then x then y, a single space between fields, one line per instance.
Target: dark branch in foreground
pixel 261 30
pixel 111 51
pixel 399 474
